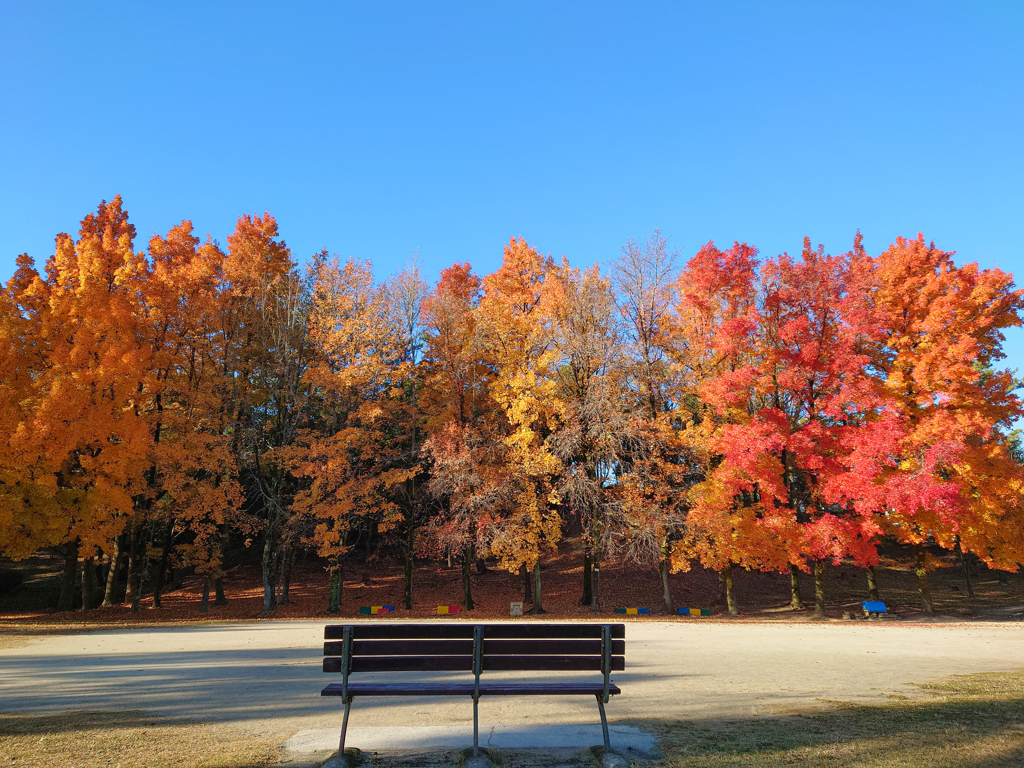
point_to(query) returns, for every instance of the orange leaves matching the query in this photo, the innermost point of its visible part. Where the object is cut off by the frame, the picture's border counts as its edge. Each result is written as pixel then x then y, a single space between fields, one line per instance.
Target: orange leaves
pixel 255 257
pixel 455 372
pixel 735 410
pixel 79 439
pixel 790 378
pixel 358 461
pixel 858 392
pixel 938 336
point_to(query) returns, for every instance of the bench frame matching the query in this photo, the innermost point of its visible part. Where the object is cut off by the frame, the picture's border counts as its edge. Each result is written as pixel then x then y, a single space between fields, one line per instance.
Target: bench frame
pixel 393 647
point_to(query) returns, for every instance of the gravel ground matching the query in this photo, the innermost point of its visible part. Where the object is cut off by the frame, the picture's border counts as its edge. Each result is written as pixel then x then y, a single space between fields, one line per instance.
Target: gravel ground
pixel 266 676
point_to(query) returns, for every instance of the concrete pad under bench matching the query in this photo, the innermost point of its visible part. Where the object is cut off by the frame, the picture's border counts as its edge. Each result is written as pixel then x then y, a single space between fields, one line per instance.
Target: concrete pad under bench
pixel 404 738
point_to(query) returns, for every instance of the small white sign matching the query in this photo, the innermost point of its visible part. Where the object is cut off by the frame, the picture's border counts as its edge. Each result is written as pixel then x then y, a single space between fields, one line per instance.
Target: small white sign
pixel 516 609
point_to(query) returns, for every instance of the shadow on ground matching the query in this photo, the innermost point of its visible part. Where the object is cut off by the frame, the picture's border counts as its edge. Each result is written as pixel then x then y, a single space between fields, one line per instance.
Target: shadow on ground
pixel 964 733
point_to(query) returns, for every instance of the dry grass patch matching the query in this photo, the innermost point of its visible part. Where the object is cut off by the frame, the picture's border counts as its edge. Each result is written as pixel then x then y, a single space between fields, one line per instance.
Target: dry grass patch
pixel 14 641
pixel 128 739
pixel 967 721
pixel 20 635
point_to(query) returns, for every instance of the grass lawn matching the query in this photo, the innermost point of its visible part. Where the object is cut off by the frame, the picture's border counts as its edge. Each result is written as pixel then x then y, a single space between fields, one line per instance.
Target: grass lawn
pixel 128 740
pixel 970 721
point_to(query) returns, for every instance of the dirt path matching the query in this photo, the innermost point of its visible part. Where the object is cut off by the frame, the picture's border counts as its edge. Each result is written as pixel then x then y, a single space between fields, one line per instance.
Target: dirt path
pixel 267 676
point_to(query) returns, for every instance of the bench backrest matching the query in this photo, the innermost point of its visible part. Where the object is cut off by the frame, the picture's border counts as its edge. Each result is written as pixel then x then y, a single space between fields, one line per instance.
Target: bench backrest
pixel 463 647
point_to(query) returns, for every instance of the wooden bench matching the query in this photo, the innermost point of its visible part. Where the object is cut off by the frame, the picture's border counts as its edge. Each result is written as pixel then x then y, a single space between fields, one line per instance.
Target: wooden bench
pixel 476 649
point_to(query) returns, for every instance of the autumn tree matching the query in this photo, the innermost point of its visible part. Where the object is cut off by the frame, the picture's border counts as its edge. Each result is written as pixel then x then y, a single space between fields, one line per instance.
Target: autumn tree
pixel 80 442
pixel 516 348
pixel 263 356
pixel 592 430
pixel 406 295
pixel 939 332
pixel 464 445
pixel 353 456
pixel 30 515
pixel 193 471
pixel 715 307
pixel 652 486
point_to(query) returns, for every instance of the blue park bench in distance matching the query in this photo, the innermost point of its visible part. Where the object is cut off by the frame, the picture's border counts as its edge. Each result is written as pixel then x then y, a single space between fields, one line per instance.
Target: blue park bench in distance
pixel 874 608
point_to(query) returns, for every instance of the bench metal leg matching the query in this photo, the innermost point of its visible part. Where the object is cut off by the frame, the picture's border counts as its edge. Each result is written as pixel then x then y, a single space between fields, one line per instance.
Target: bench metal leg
pixel 476 728
pixel 344 728
pixel 604 724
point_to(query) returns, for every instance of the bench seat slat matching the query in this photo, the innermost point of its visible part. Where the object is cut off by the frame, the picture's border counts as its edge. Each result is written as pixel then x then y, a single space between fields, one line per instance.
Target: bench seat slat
pixel 430 647
pixel 531 631
pixel 402 664
pixel 465 663
pixel 466 689
pixel 549 647
pixel 401 631
pixel 539 663
pixel 516 630
pixel 465 647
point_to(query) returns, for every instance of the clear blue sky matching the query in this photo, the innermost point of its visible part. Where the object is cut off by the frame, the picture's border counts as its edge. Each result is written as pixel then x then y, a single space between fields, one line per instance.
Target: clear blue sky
pixel 375 129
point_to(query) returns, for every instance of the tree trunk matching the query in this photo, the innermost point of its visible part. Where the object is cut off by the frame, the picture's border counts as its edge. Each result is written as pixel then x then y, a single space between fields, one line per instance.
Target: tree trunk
pixel 115 567
pixel 467 583
pixel 165 555
pixel 204 604
pixel 795 601
pixel 721 599
pixel 218 591
pixel 666 593
pixel 872 584
pixel 1003 578
pixel 481 565
pixel 819 589
pixel 920 566
pixel 410 548
pixel 136 565
pixel 286 575
pixel 88 584
pixel 369 543
pixel 730 591
pixel 337 583
pixel 133 564
pixel 588 582
pixel 270 568
pixel 967 570
pixel 139 555
pixel 538 603
pixel 527 584
pixel 66 601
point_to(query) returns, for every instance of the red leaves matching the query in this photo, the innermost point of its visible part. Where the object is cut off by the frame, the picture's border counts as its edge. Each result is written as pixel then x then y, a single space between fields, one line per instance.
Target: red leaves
pixel 848 391
pixel 737 411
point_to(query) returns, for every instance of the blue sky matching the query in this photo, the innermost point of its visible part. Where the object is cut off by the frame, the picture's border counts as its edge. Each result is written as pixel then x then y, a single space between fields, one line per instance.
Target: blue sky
pixel 375 129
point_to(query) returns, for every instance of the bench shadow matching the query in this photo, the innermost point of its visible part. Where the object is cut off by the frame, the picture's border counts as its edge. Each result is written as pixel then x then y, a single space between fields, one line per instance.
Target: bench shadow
pixel 80 721
pixel 214 685
pixel 967 734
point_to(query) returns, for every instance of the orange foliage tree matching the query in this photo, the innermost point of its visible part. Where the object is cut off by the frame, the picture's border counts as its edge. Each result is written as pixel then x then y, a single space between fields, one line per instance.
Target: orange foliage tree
pixel 937 338
pixel 716 307
pixel 193 468
pixel 81 442
pixel 349 456
pixel 464 445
